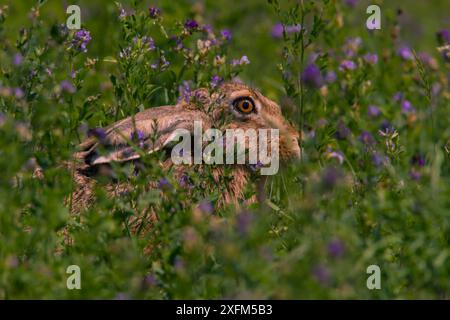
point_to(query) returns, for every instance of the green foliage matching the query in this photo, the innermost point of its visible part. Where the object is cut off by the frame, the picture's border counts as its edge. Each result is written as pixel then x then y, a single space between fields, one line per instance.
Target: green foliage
pixel 372 186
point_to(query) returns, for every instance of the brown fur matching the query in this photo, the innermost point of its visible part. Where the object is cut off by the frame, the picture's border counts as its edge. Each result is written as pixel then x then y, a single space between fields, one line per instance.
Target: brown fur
pixel 157 124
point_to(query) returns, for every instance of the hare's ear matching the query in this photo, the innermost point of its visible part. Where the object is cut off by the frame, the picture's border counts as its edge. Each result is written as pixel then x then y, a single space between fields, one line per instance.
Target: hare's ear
pixel 149 130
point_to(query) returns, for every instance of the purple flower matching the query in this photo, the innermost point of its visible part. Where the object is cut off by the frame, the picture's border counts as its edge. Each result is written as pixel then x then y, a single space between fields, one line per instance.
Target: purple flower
pixel 146 41
pixel 330 177
pixel 339 156
pixel 398 96
pixel 80 40
pixel 154 12
pixel 215 81
pixel 184 181
pixel 386 126
pixel 342 131
pixel 296 28
pixel 99 133
pixel 371 58
pixel 226 34
pixel 312 76
pixel 322 274
pixel 255 167
pixel 138 137
pixel 185 91
pixel 208 29
pixel 164 184
pixel 121 296
pixel 191 25
pixel 405 53
pixel 150 280
pixel 243 222
pixel 125 53
pixel 244 60
pixel 17 59
pixel 407 107
pixel 277 31
pixel 206 207
pixel 18 92
pixel 415 174
pixel 67 86
pixel 122 13
pixel 377 160
pixel 330 77
pixel 443 37
pixel 352 46
pixel 366 138
pixel 336 248
pixel 350 3
pixel 347 65
pixel 418 160
pixel 373 111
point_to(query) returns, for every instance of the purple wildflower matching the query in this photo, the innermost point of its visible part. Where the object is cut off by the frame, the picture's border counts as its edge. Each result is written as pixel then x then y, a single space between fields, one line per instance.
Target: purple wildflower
pixel 405 53
pixel 121 296
pixel 322 274
pixel 185 91
pixel 350 3
pixel 352 46
pixel 226 34
pixel 398 96
pixel 373 111
pixel 330 177
pixel 347 65
pixel 154 12
pixel 296 28
pixel 371 58
pixel 311 76
pixel 138 137
pixel 191 25
pixel 277 30
pixel 206 207
pixel 215 81
pixel 243 222
pixel 17 59
pixel 18 92
pixel 377 160
pixel 418 160
pixel 366 138
pixel 415 174
pixel 67 86
pixel 150 280
pixel 244 60
pixel 339 156
pixel 208 29
pixel 336 248
pixel 255 167
pixel 80 40
pixel 407 107
pixel 342 131
pixel 184 181
pixel 386 126
pixel 99 133
pixel 164 184
pixel 443 37
pixel 330 77
pixel 122 13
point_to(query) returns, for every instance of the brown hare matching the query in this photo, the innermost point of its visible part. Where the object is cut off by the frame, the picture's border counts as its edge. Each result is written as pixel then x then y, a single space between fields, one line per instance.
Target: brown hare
pixel 231 106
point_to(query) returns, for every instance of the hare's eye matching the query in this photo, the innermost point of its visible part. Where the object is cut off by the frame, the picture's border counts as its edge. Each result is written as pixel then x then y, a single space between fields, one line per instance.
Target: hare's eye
pixel 244 105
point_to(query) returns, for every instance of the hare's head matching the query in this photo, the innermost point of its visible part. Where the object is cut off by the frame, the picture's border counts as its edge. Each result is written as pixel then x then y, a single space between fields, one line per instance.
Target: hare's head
pixel 232 106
